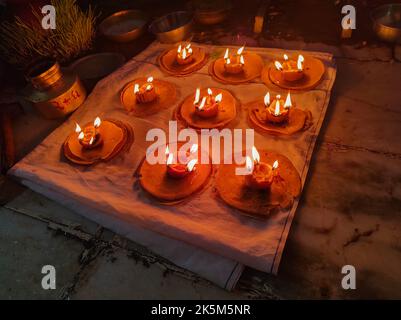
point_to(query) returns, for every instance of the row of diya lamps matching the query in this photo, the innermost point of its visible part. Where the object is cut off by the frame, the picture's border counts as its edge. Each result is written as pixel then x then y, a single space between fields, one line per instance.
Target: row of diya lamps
pixel 208 105
pixel 291 70
pixel 260 175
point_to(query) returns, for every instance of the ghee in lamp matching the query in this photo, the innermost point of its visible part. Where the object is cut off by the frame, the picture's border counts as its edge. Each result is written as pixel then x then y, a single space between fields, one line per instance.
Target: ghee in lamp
pixel 261 174
pixel 145 93
pixel 208 106
pixel 180 170
pixel 278 110
pixel 184 54
pixel 291 70
pixel 234 64
pixel 89 137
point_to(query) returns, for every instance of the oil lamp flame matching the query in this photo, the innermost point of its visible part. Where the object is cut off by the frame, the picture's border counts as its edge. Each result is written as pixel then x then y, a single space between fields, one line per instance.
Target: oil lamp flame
pixel 150 79
pixel 239 51
pixel 179 49
pixel 91 140
pixel 267 99
pixel 97 122
pixel 255 155
pixel 184 53
pixel 169 159
pixel 278 65
pixel 285 57
pixel 275 165
pixel 136 88
pixel 149 87
pixel 288 103
pixel 77 128
pixel 277 109
pixel 194 148
pixel 228 61
pixel 197 96
pixel 202 104
pixel 81 135
pixel 191 164
pixel 249 164
pixel 167 150
pixel 218 98
pixel 209 91
pixel 226 54
pixel 241 60
pixel 300 62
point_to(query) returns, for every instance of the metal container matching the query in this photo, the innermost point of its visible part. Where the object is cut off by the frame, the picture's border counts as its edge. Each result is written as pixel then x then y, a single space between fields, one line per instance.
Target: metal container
pixel 90 69
pixel 210 12
pixel 53 93
pixel 124 26
pixel 173 27
pixel 387 22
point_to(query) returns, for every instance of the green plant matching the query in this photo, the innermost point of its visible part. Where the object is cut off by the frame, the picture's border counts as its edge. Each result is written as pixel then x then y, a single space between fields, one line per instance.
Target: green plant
pixel 20 41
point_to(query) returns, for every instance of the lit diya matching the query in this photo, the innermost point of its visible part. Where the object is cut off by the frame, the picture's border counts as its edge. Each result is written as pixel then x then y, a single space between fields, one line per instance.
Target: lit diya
pixel 97 141
pixel 146 96
pixel 278 116
pixel 236 67
pixel 300 72
pixel 175 179
pixel 271 183
pixel 183 60
pixel 207 108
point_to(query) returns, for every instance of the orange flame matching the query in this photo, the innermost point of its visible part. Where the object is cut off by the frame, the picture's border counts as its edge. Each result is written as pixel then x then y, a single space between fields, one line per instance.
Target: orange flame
pixel 249 164
pixel 150 79
pixel 300 63
pixel 81 135
pixel 226 54
pixel 191 164
pixel 255 155
pixel 194 148
pixel 241 60
pixel 275 165
pixel 97 122
pixel 277 109
pixel 285 57
pixel 77 128
pixel 267 99
pixel 197 96
pixel 278 65
pixel 169 159
pixel 136 88
pixel 218 98
pixel 239 51
pixel 288 103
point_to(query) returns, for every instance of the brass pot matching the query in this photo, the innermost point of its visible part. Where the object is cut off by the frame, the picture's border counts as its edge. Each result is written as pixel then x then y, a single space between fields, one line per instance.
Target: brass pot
pixel 53 93
pixel 387 22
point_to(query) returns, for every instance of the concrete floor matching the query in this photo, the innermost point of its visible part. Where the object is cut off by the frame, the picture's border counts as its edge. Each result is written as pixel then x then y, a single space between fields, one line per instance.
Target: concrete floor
pixel 350 211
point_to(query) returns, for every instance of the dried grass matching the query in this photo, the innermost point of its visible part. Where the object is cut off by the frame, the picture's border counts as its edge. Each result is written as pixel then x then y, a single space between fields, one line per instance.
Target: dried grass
pixel 20 42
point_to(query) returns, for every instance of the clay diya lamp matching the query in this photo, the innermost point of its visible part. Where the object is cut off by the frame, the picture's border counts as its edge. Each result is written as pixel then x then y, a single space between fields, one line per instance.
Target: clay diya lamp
pixel 290 69
pixel 184 54
pixel 180 170
pixel 145 93
pixel 89 137
pixel 234 64
pixel 278 110
pixel 261 174
pixel 208 106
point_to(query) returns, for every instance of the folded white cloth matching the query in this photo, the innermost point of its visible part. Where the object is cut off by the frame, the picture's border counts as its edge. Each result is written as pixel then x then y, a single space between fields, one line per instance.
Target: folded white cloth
pixel 203 235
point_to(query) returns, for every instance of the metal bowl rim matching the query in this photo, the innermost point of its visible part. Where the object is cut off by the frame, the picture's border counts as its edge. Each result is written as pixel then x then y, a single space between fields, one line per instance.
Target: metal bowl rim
pixel 188 13
pixel 374 19
pixel 141 15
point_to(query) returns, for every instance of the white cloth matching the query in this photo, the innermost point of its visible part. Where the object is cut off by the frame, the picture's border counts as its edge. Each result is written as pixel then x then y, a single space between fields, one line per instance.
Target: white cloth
pixel 203 235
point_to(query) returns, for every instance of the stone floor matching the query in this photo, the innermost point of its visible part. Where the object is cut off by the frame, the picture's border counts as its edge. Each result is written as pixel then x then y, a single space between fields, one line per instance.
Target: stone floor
pixel 350 211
